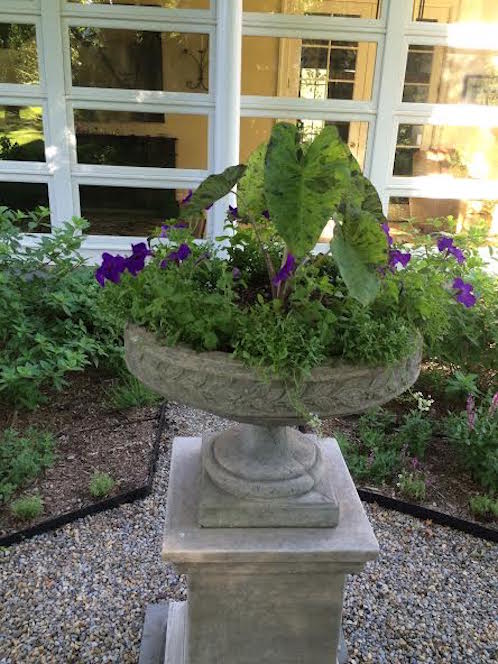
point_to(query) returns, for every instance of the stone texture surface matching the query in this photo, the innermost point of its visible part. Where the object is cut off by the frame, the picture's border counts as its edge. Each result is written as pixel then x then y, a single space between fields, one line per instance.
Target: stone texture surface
pixel 254 477
pixel 263 594
pixel 220 384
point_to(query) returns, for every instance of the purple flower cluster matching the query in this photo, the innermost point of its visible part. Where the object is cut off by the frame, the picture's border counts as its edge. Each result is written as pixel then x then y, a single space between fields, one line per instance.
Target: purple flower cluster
pixel 447 244
pixel 178 256
pixel 494 405
pixel 285 271
pixel 464 293
pixel 113 266
pixel 471 411
pixel 397 257
pixel 233 211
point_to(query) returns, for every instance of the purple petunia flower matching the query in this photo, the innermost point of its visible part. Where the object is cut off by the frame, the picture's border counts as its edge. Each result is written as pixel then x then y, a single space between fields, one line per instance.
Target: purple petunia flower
pixel 464 295
pixel 446 244
pixel 165 228
pixel 266 214
pixel 387 231
pixel 136 262
pixel 178 256
pixel 233 211
pixel 112 268
pixel 397 257
pixel 236 273
pixel 285 271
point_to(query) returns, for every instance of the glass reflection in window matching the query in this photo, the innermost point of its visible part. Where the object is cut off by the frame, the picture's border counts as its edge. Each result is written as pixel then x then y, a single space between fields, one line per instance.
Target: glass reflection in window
pixel 353 8
pixel 139 60
pixel 21 133
pixel 26 197
pixel 455 11
pixel 18 53
pixel 308 68
pixel 166 4
pixel 158 140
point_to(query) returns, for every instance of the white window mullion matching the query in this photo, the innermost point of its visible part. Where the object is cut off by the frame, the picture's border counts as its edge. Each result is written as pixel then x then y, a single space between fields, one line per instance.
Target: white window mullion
pixel 56 139
pixel 390 93
pixel 228 56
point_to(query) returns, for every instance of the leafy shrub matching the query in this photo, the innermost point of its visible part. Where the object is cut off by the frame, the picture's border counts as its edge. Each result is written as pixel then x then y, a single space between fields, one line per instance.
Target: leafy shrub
pixel 101 485
pixel 462 384
pixel 484 507
pixel 129 392
pixel 22 458
pixel 412 485
pixel 474 435
pixel 51 321
pixel 27 508
pixel 415 433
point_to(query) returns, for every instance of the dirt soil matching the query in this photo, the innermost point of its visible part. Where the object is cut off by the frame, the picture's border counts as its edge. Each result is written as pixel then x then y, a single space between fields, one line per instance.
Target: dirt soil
pixel 90 436
pixel 448 487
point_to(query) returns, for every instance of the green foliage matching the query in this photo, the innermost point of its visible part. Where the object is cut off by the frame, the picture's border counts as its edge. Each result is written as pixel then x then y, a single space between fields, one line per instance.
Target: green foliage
pixel 415 433
pixel 101 485
pixel 362 283
pixel 304 184
pixel 462 384
pixel 280 343
pixel 129 392
pixel 23 456
pixel 27 508
pixel 484 507
pixel 412 485
pixel 251 188
pixel 211 190
pixel 51 322
pixel 474 438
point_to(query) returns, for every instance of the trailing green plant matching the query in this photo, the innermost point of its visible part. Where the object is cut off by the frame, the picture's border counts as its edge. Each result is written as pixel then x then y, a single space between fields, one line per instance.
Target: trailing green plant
pixel 23 456
pixel 129 392
pixel 473 433
pixel 415 433
pixel 484 507
pixel 101 485
pixel 27 508
pixel 51 320
pixel 412 485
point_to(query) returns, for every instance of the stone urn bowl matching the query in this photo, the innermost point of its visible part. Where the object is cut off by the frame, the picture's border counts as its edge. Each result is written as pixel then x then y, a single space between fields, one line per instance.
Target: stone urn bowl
pixel 263 472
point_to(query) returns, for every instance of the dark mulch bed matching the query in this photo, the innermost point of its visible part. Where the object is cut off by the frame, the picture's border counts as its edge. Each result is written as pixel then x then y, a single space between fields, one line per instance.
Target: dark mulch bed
pixel 448 487
pixel 90 437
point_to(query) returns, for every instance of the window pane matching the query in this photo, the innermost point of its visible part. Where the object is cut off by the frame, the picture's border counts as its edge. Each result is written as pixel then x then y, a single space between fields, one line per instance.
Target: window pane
pixel 25 196
pixel 129 210
pixel 18 54
pixel 424 211
pixel 461 152
pixel 441 75
pixel 254 131
pixel 347 8
pixel 308 68
pixel 169 4
pixel 139 60
pixel 455 11
pixel 156 140
pixel 21 133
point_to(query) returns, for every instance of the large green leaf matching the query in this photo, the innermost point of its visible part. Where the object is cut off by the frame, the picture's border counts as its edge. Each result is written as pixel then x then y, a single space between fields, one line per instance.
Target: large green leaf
pixel 211 190
pixel 251 188
pixel 362 193
pixel 303 185
pixel 361 280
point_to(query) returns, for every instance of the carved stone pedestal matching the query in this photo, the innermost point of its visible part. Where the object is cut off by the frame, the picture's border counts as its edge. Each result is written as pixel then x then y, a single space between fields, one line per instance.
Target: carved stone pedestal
pixel 269 595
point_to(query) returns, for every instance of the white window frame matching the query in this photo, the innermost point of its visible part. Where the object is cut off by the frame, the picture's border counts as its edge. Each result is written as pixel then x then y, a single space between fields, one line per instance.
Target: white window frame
pixel 225 23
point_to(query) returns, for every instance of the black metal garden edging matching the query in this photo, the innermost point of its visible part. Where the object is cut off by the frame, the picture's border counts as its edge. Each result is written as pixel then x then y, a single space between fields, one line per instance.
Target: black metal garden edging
pixel 427 514
pixel 101 506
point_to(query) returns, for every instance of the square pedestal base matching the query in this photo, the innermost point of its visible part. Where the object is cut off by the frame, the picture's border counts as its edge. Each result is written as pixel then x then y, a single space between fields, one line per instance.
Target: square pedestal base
pixel 165 632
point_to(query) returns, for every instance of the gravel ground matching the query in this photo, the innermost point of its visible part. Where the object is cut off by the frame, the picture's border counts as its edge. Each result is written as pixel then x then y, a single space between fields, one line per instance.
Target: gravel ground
pixel 79 594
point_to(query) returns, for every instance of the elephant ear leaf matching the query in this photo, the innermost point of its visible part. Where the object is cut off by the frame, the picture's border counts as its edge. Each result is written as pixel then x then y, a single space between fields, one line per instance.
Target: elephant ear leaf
pixel 251 190
pixel 304 185
pixel 211 190
pixel 361 280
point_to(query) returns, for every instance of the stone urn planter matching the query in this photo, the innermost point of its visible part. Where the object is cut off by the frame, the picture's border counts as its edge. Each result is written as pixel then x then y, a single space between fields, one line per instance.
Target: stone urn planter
pixel 264 520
